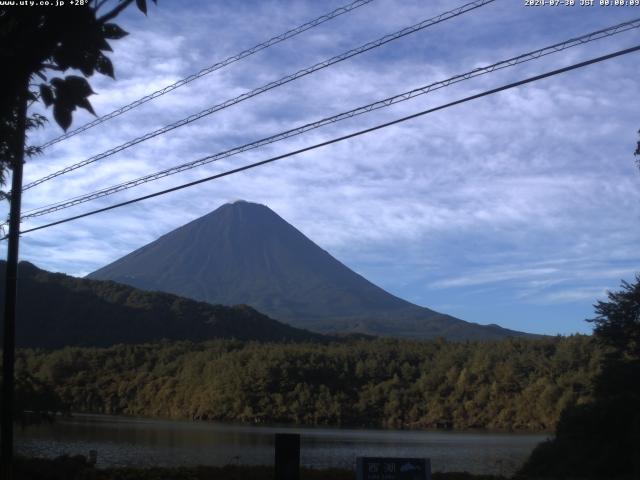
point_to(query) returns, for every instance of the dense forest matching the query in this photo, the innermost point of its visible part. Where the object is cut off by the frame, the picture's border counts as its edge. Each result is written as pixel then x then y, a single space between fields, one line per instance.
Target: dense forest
pixel 507 384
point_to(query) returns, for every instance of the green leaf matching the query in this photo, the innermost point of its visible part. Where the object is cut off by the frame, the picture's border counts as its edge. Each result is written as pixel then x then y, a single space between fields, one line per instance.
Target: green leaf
pixel 84 103
pixel 46 94
pixel 104 66
pixel 35 121
pixel 113 31
pixel 104 45
pixel 62 116
pixel 142 6
pixel 57 83
pixel 63 57
pixel 70 93
pixel 77 87
pixel 86 68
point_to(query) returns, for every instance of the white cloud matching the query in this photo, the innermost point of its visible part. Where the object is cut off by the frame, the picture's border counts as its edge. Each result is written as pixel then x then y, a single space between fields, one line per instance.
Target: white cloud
pixel 494 276
pixel 477 194
pixel 588 294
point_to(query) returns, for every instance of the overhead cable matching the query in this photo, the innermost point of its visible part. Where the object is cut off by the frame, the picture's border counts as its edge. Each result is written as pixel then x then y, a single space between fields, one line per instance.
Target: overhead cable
pixel 269 86
pixel 526 57
pixel 205 71
pixel 339 139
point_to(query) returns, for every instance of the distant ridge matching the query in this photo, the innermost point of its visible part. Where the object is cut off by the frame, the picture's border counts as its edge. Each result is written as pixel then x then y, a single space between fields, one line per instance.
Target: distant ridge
pixel 245 253
pixel 56 310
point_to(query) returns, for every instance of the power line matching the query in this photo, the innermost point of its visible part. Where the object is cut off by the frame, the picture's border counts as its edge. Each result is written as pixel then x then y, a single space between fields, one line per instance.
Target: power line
pixel 205 71
pixel 558 47
pixel 269 86
pixel 342 138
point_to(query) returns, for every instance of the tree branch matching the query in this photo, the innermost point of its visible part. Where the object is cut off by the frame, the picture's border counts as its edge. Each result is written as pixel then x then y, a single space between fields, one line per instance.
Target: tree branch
pixel 99 4
pixel 51 66
pixel 115 12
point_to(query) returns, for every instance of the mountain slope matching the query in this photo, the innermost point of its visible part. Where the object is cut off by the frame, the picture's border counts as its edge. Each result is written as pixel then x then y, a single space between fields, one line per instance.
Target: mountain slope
pixel 56 310
pixel 245 253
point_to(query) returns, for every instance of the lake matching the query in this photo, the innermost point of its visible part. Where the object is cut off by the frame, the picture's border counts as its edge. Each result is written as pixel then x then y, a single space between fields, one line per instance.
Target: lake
pixel 129 441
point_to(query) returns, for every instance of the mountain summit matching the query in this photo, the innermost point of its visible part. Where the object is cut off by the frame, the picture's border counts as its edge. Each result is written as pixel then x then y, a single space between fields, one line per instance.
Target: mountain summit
pixel 244 253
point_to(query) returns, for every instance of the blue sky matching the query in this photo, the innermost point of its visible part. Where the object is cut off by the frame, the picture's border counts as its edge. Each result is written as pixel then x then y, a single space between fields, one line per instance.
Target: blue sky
pixel 519 209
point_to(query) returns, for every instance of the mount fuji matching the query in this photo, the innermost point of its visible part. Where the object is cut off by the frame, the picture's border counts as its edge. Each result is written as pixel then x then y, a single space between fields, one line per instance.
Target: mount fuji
pixel 244 253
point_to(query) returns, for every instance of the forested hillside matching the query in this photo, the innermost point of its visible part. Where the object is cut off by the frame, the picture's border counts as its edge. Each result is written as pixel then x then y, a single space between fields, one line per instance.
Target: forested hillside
pixel 507 384
pixel 56 310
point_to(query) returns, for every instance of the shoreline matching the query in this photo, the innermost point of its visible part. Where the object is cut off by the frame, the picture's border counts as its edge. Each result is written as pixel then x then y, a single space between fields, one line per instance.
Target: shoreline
pixel 141 442
pixel 289 426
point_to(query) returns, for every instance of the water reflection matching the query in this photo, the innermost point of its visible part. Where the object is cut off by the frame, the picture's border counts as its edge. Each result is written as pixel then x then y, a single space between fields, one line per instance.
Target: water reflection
pixel 126 441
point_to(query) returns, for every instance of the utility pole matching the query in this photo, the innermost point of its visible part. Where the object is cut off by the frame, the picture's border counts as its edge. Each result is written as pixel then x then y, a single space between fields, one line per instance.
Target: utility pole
pixel 11 287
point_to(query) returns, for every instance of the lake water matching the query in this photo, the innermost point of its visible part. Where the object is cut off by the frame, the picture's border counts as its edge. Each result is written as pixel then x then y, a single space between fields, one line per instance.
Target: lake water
pixel 127 441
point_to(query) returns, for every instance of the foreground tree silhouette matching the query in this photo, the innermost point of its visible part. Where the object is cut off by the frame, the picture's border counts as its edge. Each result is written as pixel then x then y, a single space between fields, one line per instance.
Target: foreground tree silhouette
pixel 36 44
pixel 601 439
pixel 39 43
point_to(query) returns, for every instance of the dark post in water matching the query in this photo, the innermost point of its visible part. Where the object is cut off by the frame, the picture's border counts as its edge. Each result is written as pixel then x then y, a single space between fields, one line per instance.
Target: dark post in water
pixel 287 459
